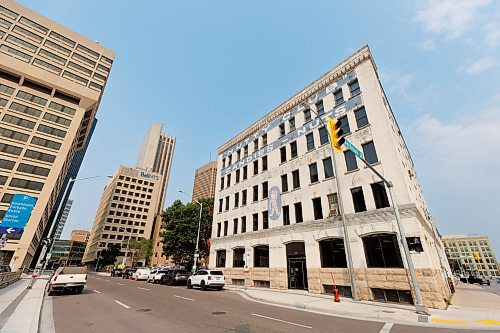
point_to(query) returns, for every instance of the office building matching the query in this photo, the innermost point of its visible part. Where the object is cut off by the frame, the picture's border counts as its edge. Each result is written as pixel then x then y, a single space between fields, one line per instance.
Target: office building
pixel 66 253
pixel 51 84
pixel 133 199
pixel 471 255
pixel 204 181
pixel 62 220
pixel 80 235
pixel 276 218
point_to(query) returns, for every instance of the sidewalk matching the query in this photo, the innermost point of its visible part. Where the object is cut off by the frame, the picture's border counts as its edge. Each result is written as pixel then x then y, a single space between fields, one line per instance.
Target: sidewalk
pixel 456 316
pixel 20 307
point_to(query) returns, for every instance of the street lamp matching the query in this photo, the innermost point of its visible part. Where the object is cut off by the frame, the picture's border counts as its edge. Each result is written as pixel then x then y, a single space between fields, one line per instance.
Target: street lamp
pixel 197 251
pixel 53 224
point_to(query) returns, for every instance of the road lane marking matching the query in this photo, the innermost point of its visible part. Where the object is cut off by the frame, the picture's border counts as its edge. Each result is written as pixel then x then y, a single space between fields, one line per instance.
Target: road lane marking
pixel 124 305
pixel 98 278
pixel 121 284
pixel 448 321
pixel 280 320
pixel 387 328
pixel 107 280
pixel 489 322
pixel 188 299
pixel 142 288
pixel 97 291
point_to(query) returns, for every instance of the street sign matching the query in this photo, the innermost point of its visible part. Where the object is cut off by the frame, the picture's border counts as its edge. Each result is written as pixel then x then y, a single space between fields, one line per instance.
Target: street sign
pixel 18 214
pixel 355 150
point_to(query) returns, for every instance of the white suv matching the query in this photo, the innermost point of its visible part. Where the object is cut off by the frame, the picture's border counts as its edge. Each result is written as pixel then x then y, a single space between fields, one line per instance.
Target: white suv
pixel 207 278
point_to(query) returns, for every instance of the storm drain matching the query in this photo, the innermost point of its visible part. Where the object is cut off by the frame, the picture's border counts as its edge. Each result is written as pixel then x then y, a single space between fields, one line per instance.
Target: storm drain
pixel 218 313
pixel 143 310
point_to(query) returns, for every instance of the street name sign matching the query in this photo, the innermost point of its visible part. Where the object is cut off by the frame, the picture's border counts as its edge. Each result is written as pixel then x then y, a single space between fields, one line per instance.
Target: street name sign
pixel 355 150
pixel 18 214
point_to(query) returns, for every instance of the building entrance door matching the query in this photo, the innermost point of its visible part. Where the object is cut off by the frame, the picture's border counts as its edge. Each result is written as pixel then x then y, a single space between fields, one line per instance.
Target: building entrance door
pixel 297 268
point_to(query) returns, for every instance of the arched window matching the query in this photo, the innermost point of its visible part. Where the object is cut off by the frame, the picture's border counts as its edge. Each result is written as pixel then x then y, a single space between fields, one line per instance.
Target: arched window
pixel 332 253
pixel 382 251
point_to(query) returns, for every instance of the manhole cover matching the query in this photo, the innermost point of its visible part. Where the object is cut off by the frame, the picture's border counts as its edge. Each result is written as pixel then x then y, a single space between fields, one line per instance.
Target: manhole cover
pixel 218 313
pixel 143 310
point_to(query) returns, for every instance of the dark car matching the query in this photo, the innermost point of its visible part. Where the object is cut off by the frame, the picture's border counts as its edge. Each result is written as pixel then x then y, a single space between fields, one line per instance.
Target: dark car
pixel 127 273
pixel 479 280
pixel 175 276
pixel 116 272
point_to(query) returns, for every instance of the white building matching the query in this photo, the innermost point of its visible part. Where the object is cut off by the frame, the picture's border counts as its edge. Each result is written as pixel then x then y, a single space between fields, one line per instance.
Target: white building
pixel 62 220
pixel 276 202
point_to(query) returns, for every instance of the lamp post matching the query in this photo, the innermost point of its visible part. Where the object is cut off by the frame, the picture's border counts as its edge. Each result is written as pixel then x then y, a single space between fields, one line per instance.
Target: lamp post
pixel 197 251
pixel 53 224
pixel 124 260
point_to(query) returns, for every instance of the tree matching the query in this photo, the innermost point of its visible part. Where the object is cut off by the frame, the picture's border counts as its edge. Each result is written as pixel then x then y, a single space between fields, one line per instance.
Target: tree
pixel 141 249
pixel 180 223
pixel 108 256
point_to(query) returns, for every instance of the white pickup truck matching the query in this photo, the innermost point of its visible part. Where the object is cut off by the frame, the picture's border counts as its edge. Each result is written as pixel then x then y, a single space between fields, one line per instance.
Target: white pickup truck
pixel 68 278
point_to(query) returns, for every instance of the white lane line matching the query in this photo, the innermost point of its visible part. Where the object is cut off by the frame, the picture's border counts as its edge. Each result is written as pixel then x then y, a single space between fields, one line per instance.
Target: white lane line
pixel 98 278
pixel 281 321
pixel 107 280
pixel 188 299
pixel 97 291
pixel 142 288
pixel 387 328
pixel 124 305
pixel 121 284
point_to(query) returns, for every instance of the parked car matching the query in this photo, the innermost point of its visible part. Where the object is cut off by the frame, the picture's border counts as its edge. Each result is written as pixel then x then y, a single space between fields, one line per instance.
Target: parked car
pixel 68 278
pixel 127 273
pixel 175 276
pixel 207 278
pixel 498 279
pixel 156 277
pixel 116 272
pixel 479 280
pixel 152 274
pixel 141 274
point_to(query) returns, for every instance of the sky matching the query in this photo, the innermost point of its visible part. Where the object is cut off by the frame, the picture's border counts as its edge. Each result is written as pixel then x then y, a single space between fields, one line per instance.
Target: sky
pixel 209 69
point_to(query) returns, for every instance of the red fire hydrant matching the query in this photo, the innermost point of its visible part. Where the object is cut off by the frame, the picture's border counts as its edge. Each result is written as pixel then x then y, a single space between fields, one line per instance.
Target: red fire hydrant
pixel 336 297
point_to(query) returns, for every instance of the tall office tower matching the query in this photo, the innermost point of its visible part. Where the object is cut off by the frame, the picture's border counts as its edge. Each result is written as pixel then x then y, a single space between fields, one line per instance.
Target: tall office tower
pixel 80 235
pixel 204 181
pixel 277 203
pixel 62 220
pixel 51 84
pixel 133 199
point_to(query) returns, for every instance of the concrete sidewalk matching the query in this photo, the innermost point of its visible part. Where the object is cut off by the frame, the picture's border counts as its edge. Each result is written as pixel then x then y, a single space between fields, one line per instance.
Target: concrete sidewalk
pixel 455 316
pixel 20 307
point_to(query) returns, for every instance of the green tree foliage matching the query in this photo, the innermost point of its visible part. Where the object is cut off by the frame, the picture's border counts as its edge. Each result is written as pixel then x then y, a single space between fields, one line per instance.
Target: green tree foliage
pixel 108 255
pixel 180 223
pixel 140 248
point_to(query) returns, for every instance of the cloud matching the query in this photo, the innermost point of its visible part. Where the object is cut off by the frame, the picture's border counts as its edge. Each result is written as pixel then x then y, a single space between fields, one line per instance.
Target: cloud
pixel 492 34
pixel 481 65
pixel 449 17
pixel 427 45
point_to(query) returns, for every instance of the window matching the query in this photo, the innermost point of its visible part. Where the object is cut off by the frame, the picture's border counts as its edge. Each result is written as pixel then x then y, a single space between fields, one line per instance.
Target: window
pixel 293 149
pixel 73 76
pixel 222 183
pixel 415 244
pixel 18 121
pixel 265 220
pixel 221 258
pixel 245 172
pixel 298 212
pixel 282 129
pixel 264 163
pixel 26 184
pixel 380 195
pixel 22 42
pixel 265 190
pixel 382 251
pixel 370 152
pixel 291 124
pixel 358 199
pixel 238 154
pixel 62 38
pixel 87 50
pixel 261 256
pixel 9 149
pixel 361 118
pixel 255 193
pixel 221 204
pixel 333 203
pixel 283 154
pixel 237 176
pixel 51 131
pixel 264 140
pixel 313 172
pixel 31 98
pixel 243 224
pixel 16 52
pixel 47 65
pixel 236 200
pixel 6 89
pixel 255 145
pixel 255 167
pixel 33 24
pixel 228 183
pixel 6 164
pixel 245 151
pixel 339 97
pixel 56 119
pixel 284 183
pixel 323 135
pixel 235 226
pixel 244 197
pixel 318 209
pixel 238 254
pixel 62 108
pixel 320 108
pixel 350 160
pixel 45 143
pixel 255 222
pixel 296 179
pixel 328 167
pixel 344 124
pixel 332 253
pixel 225 228
pixel 35 170
pixel 354 88
pixel 307 115
pixel 286 215
pixel 227 203
pixel 310 141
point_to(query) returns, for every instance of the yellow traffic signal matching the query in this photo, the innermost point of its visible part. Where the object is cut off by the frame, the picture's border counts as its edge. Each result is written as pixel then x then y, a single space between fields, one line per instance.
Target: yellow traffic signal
pixel 336 134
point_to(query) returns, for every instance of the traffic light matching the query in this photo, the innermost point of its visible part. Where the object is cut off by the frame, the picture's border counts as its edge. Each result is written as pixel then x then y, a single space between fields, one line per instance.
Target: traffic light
pixel 336 134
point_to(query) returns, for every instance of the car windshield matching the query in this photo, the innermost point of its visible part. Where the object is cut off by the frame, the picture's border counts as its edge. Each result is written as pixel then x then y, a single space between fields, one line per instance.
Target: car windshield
pixel 216 273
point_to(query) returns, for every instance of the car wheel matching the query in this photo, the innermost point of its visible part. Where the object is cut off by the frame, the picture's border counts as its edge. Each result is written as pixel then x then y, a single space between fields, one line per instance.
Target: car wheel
pixel 219 288
pixel 203 286
pixel 79 290
pixel 189 285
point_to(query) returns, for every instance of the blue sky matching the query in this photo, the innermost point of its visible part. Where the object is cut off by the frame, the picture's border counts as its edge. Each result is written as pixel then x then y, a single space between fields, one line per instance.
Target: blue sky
pixel 208 69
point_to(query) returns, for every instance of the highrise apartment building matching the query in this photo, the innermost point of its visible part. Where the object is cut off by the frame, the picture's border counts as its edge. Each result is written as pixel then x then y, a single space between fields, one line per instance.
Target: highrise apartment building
pixel 62 220
pixel 80 235
pixel 471 255
pixel 204 181
pixel 133 199
pixel 276 218
pixel 51 83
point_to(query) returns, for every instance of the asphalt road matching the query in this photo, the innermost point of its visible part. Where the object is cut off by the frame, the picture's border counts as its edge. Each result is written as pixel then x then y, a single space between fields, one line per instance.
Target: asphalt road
pixel 117 305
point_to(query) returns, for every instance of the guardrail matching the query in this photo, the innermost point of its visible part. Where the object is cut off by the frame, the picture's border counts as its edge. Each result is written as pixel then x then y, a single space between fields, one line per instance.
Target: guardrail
pixel 9 278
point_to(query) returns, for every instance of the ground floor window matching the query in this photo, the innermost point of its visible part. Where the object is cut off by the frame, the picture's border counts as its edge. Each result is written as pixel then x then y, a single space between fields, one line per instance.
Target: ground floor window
pixel 220 260
pixel 393 296
pixel 344 291
pixel 382 251
pixel 261 284
pixel 238 282
pixel 238 254
pixel 261 256
pixel 332 253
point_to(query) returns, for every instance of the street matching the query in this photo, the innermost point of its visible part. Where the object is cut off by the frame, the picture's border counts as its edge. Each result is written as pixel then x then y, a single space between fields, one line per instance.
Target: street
pixel 117 305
